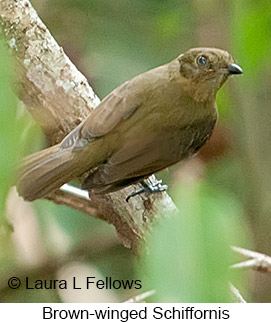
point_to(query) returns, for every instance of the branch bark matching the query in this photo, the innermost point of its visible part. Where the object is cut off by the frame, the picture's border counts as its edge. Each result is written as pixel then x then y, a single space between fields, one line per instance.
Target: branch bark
pixel 59 97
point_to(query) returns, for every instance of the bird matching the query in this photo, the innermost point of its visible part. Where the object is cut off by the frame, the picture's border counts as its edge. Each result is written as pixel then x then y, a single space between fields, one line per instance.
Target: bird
pixel 145 125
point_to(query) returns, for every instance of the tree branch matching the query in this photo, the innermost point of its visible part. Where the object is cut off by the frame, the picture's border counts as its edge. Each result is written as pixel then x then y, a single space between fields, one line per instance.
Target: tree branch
pixel 59 97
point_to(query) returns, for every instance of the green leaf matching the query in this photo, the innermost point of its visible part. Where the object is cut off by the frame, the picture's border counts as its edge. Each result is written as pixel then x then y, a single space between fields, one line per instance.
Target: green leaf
pixel 190 254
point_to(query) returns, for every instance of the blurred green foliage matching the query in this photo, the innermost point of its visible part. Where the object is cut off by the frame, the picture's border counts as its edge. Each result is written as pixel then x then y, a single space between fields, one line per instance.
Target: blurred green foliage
pixel 121 39
pixel 251 30
pixel 190 256
pixel 10 127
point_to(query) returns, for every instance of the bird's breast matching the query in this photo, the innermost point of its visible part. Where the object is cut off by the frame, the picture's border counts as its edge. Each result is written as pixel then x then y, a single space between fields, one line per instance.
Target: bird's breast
pixel 179 143
pixel 196 135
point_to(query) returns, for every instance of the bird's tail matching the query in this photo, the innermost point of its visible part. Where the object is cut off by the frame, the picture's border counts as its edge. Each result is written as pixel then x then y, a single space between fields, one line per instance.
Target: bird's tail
pixel 44 172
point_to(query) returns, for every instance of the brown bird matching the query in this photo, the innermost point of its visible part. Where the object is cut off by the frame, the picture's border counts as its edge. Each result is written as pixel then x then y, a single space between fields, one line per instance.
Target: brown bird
pixel 145 125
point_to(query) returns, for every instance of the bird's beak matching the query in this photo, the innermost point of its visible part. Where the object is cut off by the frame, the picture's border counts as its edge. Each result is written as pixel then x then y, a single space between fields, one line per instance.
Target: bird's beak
pixel 234 69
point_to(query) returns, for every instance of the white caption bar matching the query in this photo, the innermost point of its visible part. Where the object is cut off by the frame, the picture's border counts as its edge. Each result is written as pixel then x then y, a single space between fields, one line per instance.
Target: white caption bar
pixel 127 312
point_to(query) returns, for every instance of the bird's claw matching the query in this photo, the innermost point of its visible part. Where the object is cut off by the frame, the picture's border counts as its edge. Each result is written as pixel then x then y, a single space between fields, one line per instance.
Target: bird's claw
pixel 156 188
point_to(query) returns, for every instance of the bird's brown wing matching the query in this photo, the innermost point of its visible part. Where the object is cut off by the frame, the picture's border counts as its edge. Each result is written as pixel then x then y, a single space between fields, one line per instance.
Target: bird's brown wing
pixel 146 155
pixel 136 160
pixel 118 105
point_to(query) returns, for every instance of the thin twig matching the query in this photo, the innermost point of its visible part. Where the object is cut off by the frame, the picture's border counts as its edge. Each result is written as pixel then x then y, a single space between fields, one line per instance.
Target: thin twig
pixel 236 294
pixel 74 201
pixel 257 261
pixel 141 297
pixel 75 191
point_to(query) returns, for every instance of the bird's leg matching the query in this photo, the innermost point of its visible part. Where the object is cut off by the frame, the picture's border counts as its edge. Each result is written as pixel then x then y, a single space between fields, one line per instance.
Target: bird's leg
pixel 147 188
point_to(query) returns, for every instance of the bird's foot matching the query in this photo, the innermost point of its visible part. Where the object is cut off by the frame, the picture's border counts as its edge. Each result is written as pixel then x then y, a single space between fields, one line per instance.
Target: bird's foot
pixel 147 188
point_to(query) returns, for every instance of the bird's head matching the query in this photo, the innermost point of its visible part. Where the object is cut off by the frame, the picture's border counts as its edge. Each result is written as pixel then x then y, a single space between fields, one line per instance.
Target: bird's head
pixel 206 70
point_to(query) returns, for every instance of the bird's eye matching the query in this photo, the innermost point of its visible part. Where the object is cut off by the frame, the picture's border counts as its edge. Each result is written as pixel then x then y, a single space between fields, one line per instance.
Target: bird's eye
pixel 202 60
